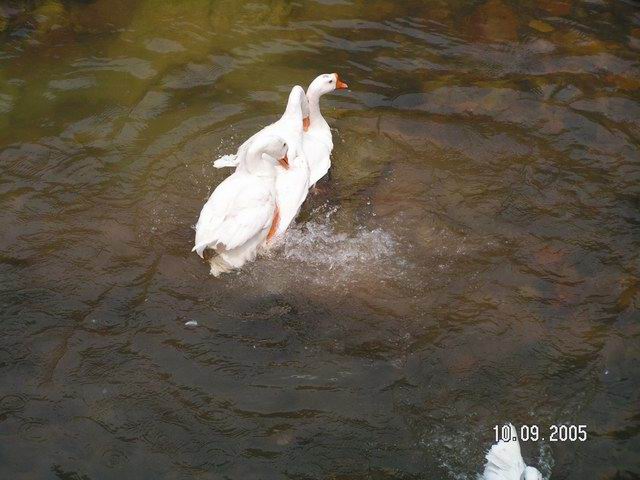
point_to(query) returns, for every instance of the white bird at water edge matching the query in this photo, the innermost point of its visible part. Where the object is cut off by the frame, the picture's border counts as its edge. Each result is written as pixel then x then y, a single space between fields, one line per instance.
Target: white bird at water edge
pixel 505 462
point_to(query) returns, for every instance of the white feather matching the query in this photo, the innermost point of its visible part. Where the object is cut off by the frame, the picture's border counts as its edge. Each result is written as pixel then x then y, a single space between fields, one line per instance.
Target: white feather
pixel 292 184
pixel 292 187
pixel 226 161
pixel 236 220
pixel 317 146
pixel 241 208
pixel 317 140
pixel 288 126
pixel 504 461
pixel 314 148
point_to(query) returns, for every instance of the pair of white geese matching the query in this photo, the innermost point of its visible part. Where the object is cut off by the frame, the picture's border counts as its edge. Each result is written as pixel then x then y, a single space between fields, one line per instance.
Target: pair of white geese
pixel 274 170
pixel 262 197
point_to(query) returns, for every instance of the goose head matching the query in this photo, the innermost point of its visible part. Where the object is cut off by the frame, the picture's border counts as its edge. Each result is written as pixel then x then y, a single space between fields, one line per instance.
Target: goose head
pixel 271 149
pixel 325 83
pixel 275 150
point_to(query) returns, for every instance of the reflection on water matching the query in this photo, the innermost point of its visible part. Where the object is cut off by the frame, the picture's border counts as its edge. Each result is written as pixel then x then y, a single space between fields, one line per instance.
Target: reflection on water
pixel 472 260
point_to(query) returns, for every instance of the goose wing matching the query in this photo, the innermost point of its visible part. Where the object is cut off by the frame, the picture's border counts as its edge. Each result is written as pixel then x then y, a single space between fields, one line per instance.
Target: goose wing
pixel 504 459
pixel 241 207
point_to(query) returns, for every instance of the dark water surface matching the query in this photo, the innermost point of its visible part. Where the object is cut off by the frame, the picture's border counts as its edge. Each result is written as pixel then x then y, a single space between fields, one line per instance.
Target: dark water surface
pixel 472 260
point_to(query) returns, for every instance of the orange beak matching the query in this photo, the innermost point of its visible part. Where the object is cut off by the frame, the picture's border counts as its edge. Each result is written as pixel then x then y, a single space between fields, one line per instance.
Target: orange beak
pixel 340 85
pixel 305 123
pixel 284 161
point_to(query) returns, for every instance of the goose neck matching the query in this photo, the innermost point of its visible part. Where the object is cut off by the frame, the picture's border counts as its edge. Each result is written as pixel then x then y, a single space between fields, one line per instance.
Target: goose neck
pixel 314 106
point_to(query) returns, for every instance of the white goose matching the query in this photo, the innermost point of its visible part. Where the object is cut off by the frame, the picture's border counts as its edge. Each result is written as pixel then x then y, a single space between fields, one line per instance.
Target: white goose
pixel 288 126
pixel 317 141
pixel 241 214
pixel 312 154
pixel 292 187
pixel 292 183
pixel 504 461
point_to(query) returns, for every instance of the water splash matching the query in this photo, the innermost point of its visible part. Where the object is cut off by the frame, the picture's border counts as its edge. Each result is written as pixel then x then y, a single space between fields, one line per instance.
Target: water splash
pixel 318 253
pixel 319 245
pixel 545 461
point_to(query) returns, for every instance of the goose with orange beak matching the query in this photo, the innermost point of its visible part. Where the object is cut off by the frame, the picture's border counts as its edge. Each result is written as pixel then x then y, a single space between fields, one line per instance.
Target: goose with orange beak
pixel 292 174
pixel 309 137
pixel 317 141
pixel 288 126
pixel 242 213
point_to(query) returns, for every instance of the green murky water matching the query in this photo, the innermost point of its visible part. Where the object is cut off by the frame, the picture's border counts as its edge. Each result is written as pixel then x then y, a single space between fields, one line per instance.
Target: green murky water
pixel 472 260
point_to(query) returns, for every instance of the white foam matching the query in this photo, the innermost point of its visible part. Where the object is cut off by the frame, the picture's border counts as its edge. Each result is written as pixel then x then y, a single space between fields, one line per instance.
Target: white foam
pixel 318 253
pixel 319 245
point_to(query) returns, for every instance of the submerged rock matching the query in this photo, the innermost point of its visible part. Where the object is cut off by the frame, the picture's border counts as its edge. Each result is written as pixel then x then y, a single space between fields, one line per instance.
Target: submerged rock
pixel 578 42
pixel 226 15
pixel 548 256
pixel 634 38
pixel 102 15
pixel 495 21
pixel 623 82
pixel 358 158
pixel 556 7
pixel 628 296
pixel 50 16
pixel 567 93
pixel 541 26
pixel 439 12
